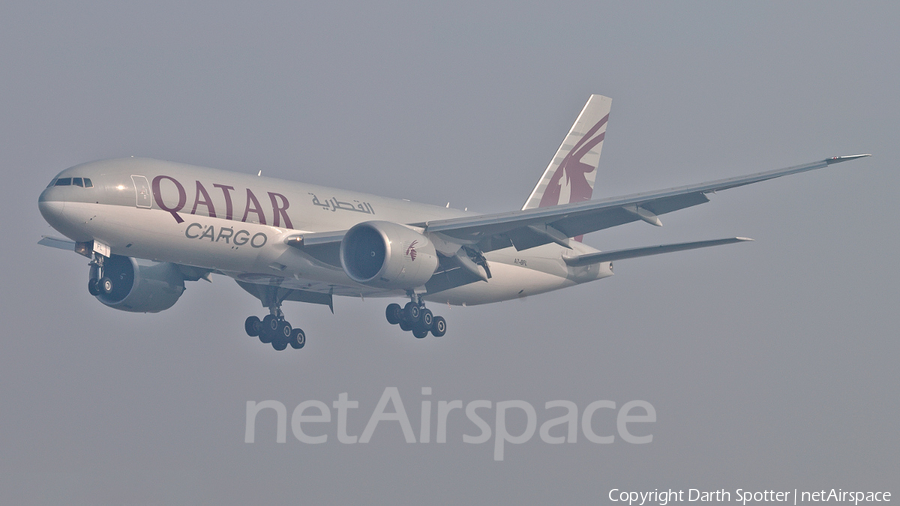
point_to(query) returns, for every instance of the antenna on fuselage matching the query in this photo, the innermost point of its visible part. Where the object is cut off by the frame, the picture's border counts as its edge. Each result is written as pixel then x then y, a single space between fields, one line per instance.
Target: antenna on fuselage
pixel 259 173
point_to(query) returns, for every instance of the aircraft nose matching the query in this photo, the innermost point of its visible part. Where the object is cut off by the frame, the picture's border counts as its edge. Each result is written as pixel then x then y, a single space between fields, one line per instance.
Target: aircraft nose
pixel 53 211
pixel 66 205
pixel 45 197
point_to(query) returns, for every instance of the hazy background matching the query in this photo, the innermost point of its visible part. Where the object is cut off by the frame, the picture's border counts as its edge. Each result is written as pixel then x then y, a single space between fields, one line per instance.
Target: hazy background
pixel 771 365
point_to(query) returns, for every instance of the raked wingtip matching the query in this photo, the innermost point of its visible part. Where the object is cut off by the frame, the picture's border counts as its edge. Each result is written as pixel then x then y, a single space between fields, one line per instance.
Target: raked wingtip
pixel 838 159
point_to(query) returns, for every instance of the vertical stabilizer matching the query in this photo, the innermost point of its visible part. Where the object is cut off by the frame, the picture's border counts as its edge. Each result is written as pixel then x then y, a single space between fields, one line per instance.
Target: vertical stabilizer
pixel 571 173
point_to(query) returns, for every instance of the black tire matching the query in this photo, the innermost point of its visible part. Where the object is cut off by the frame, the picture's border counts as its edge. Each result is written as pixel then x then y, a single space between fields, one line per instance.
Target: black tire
pixel 420 333
pixel 106 286
pixel 412 312
pixel 284 330
pixel 279 344
pixel 439 326
pixel 404 326
pixel 94 287
pixel 266 334
pixel 298 339
pixel 270 323
pixel 252 326
pixel 393 313
pixel 427 318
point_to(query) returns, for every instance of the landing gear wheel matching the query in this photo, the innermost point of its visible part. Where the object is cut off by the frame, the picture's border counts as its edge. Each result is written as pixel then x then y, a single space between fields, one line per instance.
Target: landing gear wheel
pixel 266 331
pixel 284 330
pixel 439 326
pixel 427 319
pixel 281 334
pixel 252 326
pixel 94 287
pixel 106 286
pixel 393 313
pixel 412 312
pixel 420 333
pixel 298 339
pixel 270 323
pixel 265 335
pixel 404 326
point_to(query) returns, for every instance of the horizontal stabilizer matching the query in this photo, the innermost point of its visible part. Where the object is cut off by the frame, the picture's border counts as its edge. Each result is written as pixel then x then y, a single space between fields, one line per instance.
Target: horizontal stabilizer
pixel 609 256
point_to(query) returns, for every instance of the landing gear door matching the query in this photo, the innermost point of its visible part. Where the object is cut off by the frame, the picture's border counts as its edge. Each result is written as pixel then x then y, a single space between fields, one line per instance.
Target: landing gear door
pixel 142 191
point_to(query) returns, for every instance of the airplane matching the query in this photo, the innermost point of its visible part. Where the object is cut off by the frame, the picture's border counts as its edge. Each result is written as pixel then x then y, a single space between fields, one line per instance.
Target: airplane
pixel 148 226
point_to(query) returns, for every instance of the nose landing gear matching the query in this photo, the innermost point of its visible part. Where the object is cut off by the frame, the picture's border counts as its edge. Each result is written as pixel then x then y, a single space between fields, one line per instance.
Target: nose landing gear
pixel 417 318
pixel 98 284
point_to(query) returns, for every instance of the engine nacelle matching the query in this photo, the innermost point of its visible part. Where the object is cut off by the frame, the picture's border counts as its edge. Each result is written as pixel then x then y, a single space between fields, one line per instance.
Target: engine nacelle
pixel 387 255
pixel 141 286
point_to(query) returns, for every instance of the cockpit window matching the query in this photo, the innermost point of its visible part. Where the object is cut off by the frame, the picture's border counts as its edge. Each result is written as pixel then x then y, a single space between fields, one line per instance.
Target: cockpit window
pixel 83 182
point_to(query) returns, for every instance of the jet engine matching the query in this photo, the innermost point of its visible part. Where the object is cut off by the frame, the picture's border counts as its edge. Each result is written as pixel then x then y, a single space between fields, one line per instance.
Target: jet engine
pixel 387 255
pixel 141 286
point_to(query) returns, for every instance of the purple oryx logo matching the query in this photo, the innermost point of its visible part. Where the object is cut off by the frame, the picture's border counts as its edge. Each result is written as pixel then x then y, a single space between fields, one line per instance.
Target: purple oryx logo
pixel 411 250
pixel 575 170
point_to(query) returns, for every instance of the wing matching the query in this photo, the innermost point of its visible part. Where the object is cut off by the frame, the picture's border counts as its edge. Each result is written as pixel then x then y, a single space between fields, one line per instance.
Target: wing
pixel 55 242
pixel 533 227
pixel 188 272
pixel 323 246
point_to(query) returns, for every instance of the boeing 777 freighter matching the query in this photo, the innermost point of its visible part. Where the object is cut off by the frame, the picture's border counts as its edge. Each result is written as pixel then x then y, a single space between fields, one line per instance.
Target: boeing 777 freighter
pixel 149 225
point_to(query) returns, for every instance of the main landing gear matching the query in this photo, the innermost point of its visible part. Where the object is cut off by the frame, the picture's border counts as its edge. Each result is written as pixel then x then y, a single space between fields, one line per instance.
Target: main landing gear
pixel 416 318
pixel 275 330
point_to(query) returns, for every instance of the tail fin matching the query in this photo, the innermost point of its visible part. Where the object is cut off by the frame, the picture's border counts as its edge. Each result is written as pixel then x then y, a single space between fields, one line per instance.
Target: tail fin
pixel 576 159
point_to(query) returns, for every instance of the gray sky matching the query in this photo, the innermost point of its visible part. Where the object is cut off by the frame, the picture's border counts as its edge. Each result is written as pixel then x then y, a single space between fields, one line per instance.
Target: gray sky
pixel 771 365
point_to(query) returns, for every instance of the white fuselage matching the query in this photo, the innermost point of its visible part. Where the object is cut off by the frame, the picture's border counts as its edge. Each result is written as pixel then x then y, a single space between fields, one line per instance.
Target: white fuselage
pixel 236 224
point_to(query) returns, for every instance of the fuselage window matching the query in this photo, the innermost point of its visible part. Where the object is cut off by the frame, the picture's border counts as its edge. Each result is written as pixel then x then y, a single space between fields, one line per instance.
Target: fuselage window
pixel 64 181
pixel 77 181
pixel 87 183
